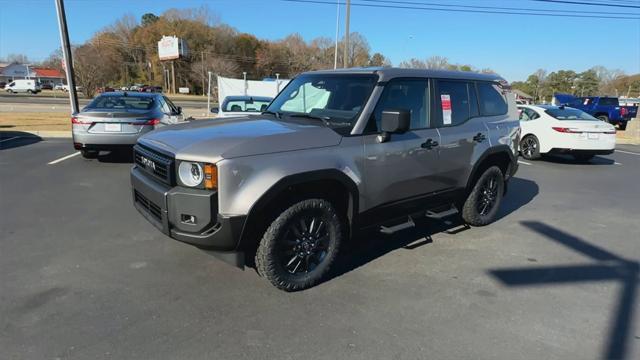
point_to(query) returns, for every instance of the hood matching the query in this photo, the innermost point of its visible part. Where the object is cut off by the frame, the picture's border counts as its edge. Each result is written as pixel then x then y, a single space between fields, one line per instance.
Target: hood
pixel 217 139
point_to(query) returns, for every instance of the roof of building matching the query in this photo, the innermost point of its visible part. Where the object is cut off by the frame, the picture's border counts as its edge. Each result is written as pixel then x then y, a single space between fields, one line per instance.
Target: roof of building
pixel 45 72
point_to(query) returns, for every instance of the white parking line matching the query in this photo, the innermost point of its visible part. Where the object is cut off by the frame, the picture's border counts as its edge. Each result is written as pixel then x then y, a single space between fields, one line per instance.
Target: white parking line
pixel 627 152
pixel 63 158
pixel 15 137
pixel 524 162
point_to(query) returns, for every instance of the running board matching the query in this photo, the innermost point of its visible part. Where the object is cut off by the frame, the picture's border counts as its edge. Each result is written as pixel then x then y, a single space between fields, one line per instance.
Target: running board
pixel 442 214
pixel 393 229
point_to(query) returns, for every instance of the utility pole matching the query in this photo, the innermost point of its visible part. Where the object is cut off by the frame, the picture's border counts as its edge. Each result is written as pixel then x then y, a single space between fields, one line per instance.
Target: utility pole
pixel 335 55
pixel 66 53
pixel 346 35
pixel 202 54
pixel 173 78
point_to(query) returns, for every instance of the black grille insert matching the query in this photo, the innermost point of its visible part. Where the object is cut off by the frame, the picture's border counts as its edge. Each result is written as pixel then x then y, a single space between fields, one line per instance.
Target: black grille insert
pixel 151 207
pixel 154 163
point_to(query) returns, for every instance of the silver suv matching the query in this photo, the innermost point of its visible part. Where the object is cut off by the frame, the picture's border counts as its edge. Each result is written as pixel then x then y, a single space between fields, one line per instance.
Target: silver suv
pixel 335 152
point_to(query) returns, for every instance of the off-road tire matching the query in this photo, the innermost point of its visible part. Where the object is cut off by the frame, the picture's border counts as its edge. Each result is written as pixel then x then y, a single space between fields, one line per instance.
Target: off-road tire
pixel 268 258
pixel 530 141
pixel 471 213
pixel 89 154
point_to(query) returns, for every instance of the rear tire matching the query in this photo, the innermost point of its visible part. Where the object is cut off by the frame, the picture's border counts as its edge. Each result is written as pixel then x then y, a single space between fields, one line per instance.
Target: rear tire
pixel 89 154
pixel 483 203
pixel 622 126
pixel 299 247
pixel 530 147
pixel 604 118
pixel 30 91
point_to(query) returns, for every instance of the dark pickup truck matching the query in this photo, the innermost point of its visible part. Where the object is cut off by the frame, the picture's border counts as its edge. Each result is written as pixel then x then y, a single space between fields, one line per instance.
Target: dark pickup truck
pixel 605 108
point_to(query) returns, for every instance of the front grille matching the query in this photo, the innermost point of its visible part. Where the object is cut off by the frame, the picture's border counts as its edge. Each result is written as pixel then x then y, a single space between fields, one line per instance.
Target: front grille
pixel 158 165
pixel 151 207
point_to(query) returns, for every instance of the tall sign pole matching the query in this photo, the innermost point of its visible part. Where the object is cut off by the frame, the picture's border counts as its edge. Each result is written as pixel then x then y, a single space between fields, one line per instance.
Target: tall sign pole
pixel 346 35
pixel 66 55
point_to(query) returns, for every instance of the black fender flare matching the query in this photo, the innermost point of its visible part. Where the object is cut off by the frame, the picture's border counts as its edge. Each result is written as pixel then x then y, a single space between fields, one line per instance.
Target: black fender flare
pixel 298 179
pixel 492 151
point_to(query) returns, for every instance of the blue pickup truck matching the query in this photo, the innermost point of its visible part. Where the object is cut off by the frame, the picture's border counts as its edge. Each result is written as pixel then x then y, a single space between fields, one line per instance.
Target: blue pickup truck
pixel 603 107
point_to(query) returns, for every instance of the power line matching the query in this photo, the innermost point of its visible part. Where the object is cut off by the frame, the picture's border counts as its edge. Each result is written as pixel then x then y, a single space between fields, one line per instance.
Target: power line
pixel 555 11
pixel 407 7
pixel 586 3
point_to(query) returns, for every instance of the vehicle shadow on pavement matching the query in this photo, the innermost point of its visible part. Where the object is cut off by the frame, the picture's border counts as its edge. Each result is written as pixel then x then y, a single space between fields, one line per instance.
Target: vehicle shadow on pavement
pixel 118 157
pixel 605 266
pixel 569 160
pixel 14 139
pixel 370 245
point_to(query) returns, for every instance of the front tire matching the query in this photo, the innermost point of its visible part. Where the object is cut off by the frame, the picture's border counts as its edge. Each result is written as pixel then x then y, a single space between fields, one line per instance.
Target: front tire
pixel 482 204
pixel 530 147
pixel 299 247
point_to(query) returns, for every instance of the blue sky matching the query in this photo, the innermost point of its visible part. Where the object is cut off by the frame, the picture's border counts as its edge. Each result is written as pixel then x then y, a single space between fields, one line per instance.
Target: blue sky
pixel 514 46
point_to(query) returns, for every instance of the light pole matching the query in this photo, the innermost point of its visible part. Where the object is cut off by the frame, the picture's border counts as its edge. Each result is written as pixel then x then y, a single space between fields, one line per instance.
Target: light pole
pixel 66 55
pixel 335 55
pixel 209 95
pixel 244 76
pixel 346 35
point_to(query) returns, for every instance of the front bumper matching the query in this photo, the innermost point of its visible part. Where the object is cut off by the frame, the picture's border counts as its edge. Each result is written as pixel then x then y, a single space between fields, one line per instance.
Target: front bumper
pixel 171 208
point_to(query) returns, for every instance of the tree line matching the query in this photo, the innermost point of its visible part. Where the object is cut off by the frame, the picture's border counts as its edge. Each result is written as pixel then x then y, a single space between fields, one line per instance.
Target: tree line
pixel 598 80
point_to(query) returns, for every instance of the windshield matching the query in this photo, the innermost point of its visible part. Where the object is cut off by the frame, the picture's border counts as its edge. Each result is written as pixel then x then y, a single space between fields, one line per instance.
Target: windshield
pixel 246 105
pixel 337 98
pixel 122 103
pixel 569 114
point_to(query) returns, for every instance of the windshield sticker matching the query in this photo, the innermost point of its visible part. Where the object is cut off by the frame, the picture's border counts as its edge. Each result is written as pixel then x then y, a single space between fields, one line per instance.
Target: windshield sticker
pixel 445 100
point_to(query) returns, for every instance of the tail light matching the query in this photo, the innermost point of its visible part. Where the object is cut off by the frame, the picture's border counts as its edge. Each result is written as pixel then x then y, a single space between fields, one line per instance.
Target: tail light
pixel 624 112
pixel 566 130
pixel 75 120
pixel 152 122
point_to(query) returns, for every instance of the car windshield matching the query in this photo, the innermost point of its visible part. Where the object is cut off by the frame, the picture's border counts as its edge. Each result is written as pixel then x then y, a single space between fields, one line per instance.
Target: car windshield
pixel 569 114
pixel 336 98
pixel 122 103
pixel 246 105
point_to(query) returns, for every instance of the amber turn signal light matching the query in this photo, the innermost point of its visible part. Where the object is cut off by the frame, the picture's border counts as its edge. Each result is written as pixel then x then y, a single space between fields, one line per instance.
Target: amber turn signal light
pixel 210 176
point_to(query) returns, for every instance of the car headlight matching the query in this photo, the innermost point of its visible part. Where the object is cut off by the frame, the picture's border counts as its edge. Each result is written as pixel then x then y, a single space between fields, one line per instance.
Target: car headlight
pixel 194 174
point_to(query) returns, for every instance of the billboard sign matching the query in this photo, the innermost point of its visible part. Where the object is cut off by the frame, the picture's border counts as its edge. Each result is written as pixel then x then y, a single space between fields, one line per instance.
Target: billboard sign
pixel 170 47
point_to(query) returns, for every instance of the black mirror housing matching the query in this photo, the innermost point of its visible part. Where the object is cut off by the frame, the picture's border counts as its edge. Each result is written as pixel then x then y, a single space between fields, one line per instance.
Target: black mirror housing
pixel 395 121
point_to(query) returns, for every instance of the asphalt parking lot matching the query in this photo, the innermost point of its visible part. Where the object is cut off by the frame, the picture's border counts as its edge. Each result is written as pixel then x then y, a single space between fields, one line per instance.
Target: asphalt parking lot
pixel 83 276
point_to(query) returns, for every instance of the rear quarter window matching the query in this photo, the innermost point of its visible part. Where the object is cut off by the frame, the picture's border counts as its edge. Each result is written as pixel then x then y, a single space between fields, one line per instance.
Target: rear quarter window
pixel 492 102
pixel 608 102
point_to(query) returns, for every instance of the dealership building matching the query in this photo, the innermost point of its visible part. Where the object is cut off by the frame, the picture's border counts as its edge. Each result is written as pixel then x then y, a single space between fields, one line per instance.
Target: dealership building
pixel 10 72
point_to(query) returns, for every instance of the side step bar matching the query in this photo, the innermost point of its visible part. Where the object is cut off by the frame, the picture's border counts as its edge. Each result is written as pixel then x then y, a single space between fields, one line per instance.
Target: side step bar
pixel 388 230
pixel 393 229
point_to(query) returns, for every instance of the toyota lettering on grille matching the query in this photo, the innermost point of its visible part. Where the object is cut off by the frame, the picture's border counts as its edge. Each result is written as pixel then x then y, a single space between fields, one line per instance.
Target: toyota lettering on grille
pixel 149 164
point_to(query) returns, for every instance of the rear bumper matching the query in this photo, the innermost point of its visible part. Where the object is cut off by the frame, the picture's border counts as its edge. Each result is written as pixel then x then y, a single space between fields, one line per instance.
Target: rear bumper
pixel 87 139
pixel 167 208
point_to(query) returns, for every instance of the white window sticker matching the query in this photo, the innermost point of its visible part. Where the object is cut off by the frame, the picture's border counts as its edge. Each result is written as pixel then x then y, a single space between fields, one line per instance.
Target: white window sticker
pixel 445 100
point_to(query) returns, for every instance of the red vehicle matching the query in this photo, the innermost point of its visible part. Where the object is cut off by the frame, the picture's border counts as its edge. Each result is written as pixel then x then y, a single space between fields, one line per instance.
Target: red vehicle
pixel 105 89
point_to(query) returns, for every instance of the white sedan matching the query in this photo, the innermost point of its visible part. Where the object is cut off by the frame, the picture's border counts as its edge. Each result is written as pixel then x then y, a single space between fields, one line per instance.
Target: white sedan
pixel 563 130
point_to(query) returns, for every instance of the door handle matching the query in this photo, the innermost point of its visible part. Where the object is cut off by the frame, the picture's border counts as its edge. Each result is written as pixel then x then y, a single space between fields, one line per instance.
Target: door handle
pixel 479 137
pixel 429 144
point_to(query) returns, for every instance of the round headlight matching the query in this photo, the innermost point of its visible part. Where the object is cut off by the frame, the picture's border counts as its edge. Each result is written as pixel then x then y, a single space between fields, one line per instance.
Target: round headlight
pixel 190 173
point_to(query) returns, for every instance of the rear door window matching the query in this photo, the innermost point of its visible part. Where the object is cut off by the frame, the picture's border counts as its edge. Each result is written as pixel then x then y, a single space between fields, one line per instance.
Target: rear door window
pixel 492 102
pixel 456 102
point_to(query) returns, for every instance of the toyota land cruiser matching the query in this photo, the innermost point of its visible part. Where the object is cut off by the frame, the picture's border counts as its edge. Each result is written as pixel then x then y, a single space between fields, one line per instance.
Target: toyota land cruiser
pixel 336 151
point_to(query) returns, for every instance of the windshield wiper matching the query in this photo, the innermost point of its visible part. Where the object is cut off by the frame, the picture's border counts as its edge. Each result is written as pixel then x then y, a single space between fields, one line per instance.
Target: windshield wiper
pixel 324 119
pixel 278 115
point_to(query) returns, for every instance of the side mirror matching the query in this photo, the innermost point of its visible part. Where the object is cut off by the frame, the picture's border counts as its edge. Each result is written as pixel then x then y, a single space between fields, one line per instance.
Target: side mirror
pixel 179 110
pixel 215 110
pixel 393 122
